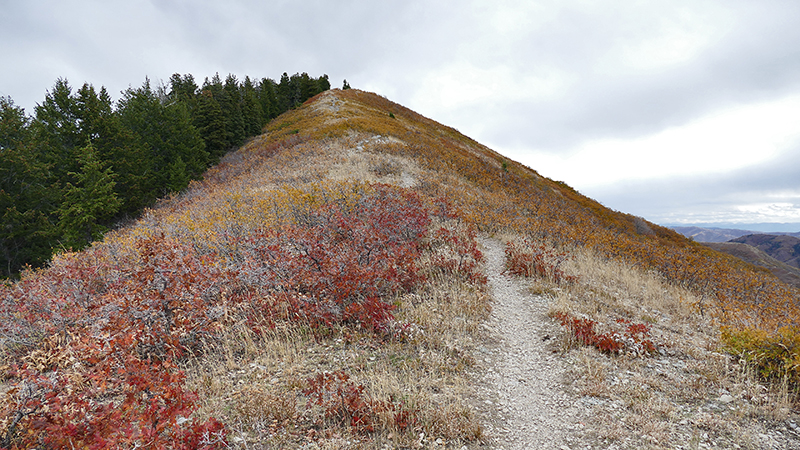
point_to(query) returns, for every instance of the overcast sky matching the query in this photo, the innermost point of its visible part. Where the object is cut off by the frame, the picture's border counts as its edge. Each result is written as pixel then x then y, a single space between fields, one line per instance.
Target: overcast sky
pixel 678 111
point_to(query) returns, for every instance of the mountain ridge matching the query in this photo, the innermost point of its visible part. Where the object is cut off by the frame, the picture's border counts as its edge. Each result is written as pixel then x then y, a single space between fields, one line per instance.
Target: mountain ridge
pixel 723 234
pixel 324 284
pixel 789 274
pixel 784 248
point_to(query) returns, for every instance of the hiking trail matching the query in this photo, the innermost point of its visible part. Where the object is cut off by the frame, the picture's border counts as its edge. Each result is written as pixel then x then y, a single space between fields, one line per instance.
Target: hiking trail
pixel 522 392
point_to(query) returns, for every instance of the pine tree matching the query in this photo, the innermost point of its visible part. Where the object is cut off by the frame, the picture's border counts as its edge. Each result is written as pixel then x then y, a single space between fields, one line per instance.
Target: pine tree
pixel 90 203
pixel 183 140
pixel 307 87
pixel 268 99
pixel 116 145
pixel 26 234
pixel 230 100
pixel 178 175
pixel 210 122
pixel 295 90
pixel 323 83
pixel 55 129
pixel 183 89
pixel 251 109
pixel 91 111
pixel 284 94
pixel 165 132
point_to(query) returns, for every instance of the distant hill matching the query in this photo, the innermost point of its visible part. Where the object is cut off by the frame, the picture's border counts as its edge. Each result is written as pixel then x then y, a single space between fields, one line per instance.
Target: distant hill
pixel 783 248
pixel 779 252
pixel 789 274
pixel 722 234
pixel 700 234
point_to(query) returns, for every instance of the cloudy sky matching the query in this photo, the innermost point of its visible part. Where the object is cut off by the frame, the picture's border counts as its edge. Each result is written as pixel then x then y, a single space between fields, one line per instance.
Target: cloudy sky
pixel 678 111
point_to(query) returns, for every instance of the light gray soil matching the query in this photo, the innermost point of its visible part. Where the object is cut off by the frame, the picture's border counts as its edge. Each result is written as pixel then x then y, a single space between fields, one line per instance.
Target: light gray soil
pixel 522 394
pixel 526 404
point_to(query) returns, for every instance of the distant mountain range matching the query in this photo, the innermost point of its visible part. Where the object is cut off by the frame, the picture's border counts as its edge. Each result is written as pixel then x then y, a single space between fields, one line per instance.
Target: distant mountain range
pixel 783 248
pixel 720 234
pixel 789 274
pixel 779 252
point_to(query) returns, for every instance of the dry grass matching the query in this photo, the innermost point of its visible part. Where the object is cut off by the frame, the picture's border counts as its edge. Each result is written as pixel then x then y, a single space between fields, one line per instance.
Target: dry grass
pixel 254 383
pixel 365 158
pixel 687 394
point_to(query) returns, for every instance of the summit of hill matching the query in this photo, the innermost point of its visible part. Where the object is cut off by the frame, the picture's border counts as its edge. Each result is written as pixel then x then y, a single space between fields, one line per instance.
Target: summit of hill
pixel 360 276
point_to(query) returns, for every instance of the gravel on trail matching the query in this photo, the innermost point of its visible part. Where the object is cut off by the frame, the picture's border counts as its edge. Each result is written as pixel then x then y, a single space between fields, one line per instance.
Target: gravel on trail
pixel 522 393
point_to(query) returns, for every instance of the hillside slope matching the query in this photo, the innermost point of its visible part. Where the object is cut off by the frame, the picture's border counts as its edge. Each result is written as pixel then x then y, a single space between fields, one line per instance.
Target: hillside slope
pixel 758 257
pixel 783 248
pixel 324 286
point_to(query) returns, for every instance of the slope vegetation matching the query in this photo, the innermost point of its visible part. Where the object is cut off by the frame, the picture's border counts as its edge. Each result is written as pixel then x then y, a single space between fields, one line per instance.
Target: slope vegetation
pixel 783 248
pixel 757 256
pixel 324 285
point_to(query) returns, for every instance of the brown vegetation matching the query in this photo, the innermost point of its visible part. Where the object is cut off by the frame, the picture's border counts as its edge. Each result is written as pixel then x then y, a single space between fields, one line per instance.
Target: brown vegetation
pixel 323 284
pixel 752 255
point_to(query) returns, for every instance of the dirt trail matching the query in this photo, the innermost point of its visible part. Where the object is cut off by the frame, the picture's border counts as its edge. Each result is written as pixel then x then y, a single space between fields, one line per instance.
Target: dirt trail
pixel 523 392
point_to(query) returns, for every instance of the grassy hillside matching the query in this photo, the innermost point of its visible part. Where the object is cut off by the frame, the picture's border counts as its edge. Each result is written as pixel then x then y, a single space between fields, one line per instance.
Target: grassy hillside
pixel 757 256
pixel 323 284
pixel 783 248
pixel 758 313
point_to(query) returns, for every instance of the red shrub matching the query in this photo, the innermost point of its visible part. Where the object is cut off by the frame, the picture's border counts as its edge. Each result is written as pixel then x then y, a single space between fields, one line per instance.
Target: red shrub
pixel 348 404
pixel 633 338
pixel 101 395
pixel 339 264
pixel 536 260
pixel 106 376
pixel 456 252
pixel 97 344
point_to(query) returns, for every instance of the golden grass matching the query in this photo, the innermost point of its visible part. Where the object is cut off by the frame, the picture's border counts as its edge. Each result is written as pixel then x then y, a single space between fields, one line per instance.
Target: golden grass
pixel 660 400
pixel 689 391
pixel 253 382
pixel 331 150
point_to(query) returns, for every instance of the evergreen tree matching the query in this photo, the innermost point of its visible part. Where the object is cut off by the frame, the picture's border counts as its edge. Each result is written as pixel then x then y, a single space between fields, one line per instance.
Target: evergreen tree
pixel 183 89
pixel 65 123
pixel 55 129
pixel 268 99
pixel 90 203
pixel 184 141
pixel 210 122
pixel 252 113
pixel 26 234
pixel 116 145
pixel 323 84
pixel 230 100
pixel 177 175
pixel 306 87
pixel 13 125
pixel 92 110
pixel 296 90
pixel 166 133
pixel 284 94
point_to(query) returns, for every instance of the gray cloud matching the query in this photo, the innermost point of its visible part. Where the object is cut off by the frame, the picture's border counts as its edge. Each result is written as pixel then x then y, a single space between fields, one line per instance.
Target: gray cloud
pixel 766 192
pixel 544 76
pixel 757 60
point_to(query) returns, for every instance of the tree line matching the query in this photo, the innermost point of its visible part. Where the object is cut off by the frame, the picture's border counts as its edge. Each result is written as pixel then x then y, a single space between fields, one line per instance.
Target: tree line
pixel 82 162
